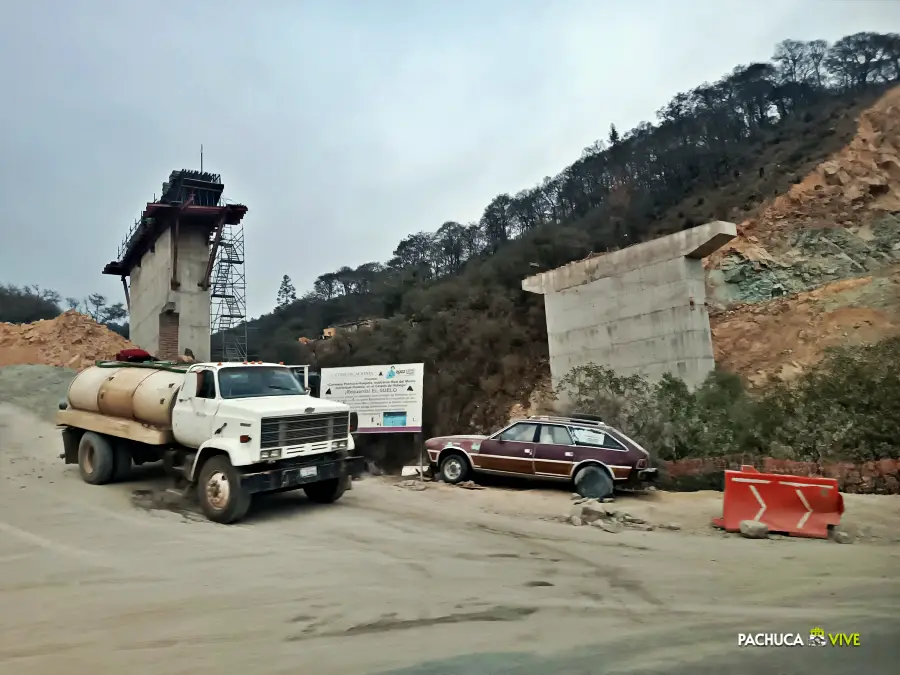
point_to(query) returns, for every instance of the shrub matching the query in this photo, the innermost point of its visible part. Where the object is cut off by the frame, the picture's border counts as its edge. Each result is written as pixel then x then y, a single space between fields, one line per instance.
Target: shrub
pixel 845 408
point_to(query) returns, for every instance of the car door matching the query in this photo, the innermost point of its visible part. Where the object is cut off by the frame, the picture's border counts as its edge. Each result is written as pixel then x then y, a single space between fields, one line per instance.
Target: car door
pixel 510 450
pixel 601 445
pixel 554 453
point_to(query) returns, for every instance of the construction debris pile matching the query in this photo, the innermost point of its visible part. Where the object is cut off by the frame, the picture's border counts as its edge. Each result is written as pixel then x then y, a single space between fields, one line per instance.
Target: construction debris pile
pixel 71 340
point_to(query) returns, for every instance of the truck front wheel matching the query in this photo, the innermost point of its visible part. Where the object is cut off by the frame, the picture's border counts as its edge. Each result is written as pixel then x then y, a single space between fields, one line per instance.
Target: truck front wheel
pixel 219 491
pixel 96 459
pixel 327 491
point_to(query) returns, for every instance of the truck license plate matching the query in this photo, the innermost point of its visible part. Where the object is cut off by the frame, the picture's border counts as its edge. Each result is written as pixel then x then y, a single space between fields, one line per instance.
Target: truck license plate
pixel 307 471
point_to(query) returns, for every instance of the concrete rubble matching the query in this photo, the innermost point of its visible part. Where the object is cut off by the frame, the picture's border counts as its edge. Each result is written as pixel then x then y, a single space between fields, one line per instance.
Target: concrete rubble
pixel 603 514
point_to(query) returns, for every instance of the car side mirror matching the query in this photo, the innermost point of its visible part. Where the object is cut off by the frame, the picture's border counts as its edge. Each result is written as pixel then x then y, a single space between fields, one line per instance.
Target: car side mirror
pixel 189 388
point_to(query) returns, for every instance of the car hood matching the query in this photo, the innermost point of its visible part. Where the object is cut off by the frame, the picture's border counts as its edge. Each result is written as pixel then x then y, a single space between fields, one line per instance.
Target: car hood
pixel 280 406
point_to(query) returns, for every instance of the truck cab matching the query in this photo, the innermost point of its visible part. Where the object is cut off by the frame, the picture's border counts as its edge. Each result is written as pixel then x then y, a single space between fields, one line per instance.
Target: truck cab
pixel 261 411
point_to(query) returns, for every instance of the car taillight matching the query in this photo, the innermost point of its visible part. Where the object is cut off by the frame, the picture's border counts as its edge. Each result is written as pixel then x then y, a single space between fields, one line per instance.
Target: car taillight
pixel 642 464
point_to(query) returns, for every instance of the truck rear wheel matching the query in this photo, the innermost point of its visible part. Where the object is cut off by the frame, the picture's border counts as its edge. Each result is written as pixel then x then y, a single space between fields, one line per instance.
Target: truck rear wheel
pixel 96 458
pixel 219 491
pixel 122 462
pixel 327 491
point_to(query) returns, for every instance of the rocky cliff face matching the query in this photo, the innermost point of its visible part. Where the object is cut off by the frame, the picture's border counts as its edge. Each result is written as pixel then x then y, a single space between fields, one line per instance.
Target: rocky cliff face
pixel 819 265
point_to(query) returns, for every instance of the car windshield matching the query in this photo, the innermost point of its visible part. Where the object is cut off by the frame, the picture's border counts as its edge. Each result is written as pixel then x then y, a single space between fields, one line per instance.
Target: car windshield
pixel 258 381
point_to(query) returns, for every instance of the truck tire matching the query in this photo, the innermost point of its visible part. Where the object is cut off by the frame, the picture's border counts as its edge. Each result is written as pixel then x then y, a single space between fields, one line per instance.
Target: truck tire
pixel 219 491
pixel 121 462
pixel 96 458
pixel 327 491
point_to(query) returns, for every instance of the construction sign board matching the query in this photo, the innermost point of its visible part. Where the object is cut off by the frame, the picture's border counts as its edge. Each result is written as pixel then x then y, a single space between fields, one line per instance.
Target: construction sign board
pixel 386 399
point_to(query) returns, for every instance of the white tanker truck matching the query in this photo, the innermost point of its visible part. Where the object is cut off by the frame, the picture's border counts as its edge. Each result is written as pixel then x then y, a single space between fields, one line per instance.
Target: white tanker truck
pixel 230 429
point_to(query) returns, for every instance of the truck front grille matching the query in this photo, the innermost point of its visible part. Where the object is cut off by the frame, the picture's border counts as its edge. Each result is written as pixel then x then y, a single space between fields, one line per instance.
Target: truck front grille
pixel 278 432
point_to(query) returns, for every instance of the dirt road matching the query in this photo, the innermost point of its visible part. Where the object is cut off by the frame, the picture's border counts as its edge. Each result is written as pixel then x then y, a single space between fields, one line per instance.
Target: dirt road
pixel 96 580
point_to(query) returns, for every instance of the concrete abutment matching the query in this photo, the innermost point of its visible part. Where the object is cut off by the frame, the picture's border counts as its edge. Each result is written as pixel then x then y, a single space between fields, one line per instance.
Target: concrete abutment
pixel 641 310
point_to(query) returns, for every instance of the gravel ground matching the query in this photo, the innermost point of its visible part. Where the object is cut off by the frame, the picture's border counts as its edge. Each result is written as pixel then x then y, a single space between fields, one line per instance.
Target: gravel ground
pixel 115 579
pixel 38 389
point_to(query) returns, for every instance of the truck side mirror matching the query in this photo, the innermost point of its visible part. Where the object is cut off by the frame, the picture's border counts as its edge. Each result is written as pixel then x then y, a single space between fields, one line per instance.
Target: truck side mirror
pixel 354 422
pixel 189 388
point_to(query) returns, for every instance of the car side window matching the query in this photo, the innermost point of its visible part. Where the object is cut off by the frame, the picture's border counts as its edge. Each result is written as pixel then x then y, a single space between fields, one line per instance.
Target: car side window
pixel 596 439
pixel 206 384
pixel 552 434
pixel 521 432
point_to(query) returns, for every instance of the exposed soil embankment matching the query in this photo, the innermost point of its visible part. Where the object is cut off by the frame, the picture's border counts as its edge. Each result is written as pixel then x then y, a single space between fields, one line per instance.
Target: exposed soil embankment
pixel 818 266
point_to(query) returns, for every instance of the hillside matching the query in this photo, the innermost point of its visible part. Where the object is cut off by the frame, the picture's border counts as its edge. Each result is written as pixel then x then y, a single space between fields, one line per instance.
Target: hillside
pixel 740 149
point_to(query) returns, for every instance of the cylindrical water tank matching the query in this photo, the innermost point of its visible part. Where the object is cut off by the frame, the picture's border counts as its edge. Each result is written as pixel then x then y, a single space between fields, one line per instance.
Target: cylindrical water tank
pixel 139 393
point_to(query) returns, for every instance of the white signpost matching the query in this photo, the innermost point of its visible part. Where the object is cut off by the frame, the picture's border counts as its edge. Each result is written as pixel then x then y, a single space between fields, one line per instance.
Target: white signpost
pixel 386 399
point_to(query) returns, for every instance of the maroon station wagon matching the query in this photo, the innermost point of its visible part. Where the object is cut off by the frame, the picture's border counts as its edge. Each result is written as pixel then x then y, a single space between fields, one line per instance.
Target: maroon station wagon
pixel 579 449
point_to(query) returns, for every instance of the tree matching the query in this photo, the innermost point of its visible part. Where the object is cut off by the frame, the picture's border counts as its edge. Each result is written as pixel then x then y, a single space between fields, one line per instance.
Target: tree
pixel 97 307
pixel 26 304
pixel 286 292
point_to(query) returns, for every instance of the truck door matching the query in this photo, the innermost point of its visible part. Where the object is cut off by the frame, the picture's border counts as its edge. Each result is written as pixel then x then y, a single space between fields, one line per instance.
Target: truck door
pixel 195 409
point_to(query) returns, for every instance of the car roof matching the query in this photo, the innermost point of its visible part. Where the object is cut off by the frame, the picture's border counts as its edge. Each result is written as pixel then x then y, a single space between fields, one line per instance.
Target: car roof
pixel 567 420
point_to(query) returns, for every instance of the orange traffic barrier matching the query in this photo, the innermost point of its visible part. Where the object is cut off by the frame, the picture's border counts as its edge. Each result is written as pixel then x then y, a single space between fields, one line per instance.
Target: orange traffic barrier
pixel 802 506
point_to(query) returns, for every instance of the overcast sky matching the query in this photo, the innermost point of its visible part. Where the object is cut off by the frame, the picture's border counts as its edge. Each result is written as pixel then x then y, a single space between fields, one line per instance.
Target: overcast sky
pixel 343 125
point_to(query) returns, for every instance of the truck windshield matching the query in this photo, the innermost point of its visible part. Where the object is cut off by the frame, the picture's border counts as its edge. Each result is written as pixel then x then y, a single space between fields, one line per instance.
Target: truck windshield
pixel 258 381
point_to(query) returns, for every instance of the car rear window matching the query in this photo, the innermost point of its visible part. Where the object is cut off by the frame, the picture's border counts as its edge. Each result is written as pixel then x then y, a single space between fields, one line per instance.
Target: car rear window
pixel 596 438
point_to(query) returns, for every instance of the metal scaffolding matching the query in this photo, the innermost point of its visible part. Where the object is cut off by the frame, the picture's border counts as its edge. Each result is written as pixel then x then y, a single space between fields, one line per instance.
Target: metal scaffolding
pixel 228 297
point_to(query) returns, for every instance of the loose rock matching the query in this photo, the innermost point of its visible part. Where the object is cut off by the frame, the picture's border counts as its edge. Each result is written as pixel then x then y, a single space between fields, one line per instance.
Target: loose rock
pixel 753 529
pixel 841 535
pixel 576 521
pixel 611 526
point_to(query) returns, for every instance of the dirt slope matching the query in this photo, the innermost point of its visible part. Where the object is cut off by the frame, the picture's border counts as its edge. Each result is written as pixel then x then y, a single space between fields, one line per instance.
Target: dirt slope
pixel 71 340
pixel 819 265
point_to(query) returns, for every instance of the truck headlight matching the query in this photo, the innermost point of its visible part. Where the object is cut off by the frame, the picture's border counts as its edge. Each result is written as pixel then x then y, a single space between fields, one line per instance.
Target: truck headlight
pixel 339 445
pixel 270 454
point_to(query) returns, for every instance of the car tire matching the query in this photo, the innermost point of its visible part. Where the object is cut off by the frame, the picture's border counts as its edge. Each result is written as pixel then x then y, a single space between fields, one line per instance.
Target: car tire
pixel 219 491
pixel 96 459
pixel 327 491
pixel 594 482
pixel 454 468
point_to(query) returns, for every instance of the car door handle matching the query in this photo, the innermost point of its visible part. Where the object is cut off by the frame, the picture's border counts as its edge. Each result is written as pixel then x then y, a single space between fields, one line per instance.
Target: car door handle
pixel 570 454
pixel 527 451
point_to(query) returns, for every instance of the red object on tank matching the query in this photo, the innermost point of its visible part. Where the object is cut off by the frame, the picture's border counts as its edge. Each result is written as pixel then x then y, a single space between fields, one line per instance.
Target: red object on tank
pixel 134 355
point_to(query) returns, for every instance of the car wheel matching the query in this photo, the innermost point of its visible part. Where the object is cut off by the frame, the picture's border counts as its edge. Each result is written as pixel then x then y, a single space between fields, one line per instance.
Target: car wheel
pixel 454 468
pixel 594 482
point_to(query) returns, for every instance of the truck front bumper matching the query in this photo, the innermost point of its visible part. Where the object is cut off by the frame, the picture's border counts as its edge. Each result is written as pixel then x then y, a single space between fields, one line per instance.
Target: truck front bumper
pixel 295 474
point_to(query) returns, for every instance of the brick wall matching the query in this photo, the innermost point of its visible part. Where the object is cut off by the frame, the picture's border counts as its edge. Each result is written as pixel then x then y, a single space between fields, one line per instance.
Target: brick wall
pixel 881 477
pixel 168 336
